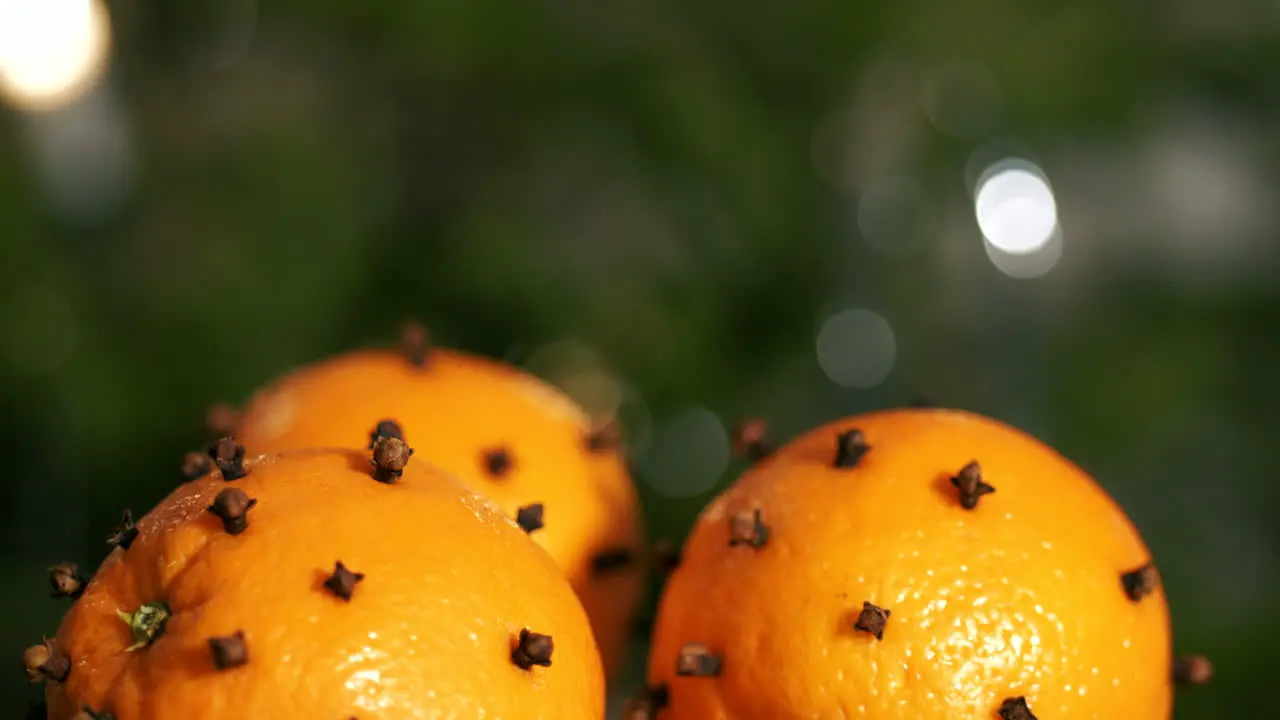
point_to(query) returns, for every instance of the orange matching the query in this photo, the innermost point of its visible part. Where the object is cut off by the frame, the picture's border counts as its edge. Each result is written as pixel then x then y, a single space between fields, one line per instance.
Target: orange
pixel 917 563
pixel 308 589
pixel 508 434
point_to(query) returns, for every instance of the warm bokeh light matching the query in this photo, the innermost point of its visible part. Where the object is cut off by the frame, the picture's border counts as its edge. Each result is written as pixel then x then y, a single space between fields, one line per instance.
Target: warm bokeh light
pixel 51 51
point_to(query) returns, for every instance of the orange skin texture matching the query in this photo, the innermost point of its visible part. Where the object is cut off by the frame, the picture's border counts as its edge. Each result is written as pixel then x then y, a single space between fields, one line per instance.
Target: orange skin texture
pixel 453 410
pixel 1020 597
pixel 428 633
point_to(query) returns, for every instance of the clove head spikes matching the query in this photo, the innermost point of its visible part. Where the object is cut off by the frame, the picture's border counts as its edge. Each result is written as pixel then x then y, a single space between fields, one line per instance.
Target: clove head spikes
pixel 697 660
pixel 228 455
pixel 415 343
pixel 46 662
pixel 390 456
pixel 529 517
pixel 124 535
pixel 872 620
pixel 532 649
pixel 385 429
pixel 1015 709
pixel 851 446
pixel 66 580
pixel 971 486
pixel 196 465
pixel 751 439
pixel 232 507
pixel 1140 582
pixel 230 651
pixel 342 582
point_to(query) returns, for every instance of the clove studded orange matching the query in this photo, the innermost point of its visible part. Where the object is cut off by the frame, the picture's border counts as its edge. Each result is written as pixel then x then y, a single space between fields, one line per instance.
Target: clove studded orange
pixel 920 563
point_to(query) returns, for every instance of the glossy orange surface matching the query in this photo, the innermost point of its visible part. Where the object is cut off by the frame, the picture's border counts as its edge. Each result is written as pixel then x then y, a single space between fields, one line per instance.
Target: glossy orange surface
pixel 1019 597
pixel 448 584
pixel 457 410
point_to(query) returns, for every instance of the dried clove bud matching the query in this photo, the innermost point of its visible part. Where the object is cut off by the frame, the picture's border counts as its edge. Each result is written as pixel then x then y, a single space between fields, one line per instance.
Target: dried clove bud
pixel 498 462
pixel 696 660
pixel 66 580
pixel 145 624
pixel 647 703
pixel 1192 670
pixel 665 557
pixel 851 445
pixel 342 582
pixel 612 560
pixel 46 662
pixel 1015 709
pixel 751 439
pixel 529 517
pixel 971 486
pixel 390 456
pixel 532 649
pixel 386 429
pixel 415 343
pixel 1140 582
pixel 232 506
pixel 221 420
pixel 195 466
pixel 229 651
pixel 228 455
pixel 872 620
pixel 747 528
pixel 606 436
pixel 124 535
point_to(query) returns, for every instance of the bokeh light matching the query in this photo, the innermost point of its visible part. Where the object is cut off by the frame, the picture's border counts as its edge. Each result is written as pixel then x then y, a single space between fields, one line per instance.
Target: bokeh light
pixel 1027 266
pixel 1015 207
pixel 51 51
pixel 688 454
pixel 896 216
pixel 856 348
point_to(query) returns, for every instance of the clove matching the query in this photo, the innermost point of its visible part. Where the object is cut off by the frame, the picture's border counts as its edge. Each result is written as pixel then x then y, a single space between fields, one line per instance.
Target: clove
pixel 232 507
pixel 696 660
pixel 612 560
pixel 343 581
pixel 851 446
pixel 872 620
pixel 532 649
pixel 1140 582
pixel 971 485
pixel 385 429
pixel 606 436
pixel 415 343
pixel 1015 709
pixel 228 455
pixel 390 456
pixel 229 651
pixel 196 465
pixel 498 462
pixel 748 528
pixel 124 535
pixel 647 703
pixel 1192 670
pixel 66 580
pixel 529 517
pixel 751 439
pixel 46 662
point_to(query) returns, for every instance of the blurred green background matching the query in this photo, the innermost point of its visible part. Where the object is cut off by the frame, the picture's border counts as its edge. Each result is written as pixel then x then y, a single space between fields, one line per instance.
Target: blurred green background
pixel 722 208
